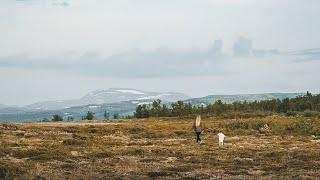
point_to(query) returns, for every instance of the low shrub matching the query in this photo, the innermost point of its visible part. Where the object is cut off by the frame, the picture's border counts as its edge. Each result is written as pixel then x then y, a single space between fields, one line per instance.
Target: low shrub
pixel 155 174
pixel 277 126
pixel 73 142
pixel 10 171
pixel 291 114
pixel 181 133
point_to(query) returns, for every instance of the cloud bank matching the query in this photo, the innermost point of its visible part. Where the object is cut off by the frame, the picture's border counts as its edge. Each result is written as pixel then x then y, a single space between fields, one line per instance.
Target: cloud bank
pixel 162 62
pixel 46 2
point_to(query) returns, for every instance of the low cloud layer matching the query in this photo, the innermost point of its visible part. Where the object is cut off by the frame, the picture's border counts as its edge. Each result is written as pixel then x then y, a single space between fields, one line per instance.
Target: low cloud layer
pixel 162 62
pixel 159 63
pixel 47 2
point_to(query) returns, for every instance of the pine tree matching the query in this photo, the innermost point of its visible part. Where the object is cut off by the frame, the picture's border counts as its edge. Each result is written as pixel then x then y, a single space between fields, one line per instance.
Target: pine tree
pixel 115 116
pixel 56 118
pixel 89 115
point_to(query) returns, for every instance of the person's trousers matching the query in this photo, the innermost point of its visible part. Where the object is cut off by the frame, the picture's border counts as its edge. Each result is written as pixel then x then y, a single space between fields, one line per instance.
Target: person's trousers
pixel 198 137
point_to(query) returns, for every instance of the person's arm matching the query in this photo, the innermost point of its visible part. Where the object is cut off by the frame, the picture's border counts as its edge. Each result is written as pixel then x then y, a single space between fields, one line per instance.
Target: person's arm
pixel 203 127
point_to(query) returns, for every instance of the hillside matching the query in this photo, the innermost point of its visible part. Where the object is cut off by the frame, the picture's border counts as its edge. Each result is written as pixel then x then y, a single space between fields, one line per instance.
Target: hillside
pixel 242 97
pixel 112 95
pixel 25 115
pixel 161 148
pixel 123 108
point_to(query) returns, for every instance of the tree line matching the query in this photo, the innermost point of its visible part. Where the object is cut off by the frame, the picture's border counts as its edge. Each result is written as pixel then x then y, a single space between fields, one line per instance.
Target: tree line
pixel 88 116
pixel 304 103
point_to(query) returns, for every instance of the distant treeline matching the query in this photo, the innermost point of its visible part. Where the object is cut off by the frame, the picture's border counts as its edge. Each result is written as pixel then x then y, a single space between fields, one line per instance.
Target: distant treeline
pixel 308 103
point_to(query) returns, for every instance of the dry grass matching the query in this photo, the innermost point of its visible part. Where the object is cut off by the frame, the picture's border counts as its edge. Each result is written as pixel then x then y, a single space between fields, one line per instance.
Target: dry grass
pixel 160 148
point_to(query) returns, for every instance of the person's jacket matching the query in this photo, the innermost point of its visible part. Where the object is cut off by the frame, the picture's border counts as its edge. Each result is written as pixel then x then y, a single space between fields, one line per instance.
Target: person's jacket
pixel 198 128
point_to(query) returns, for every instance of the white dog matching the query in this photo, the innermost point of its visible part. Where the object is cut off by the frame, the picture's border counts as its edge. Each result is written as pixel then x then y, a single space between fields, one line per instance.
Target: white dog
pixel 221 138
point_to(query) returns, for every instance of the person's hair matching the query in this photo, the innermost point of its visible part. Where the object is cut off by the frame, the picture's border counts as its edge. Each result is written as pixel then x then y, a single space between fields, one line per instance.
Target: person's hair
pixel 198 120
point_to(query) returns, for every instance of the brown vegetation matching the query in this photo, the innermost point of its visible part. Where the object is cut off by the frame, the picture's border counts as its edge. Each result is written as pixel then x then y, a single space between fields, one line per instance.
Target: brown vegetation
pixel 161 148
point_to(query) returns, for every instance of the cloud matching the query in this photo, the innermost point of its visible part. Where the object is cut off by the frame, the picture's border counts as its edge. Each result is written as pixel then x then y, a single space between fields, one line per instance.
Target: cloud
pixel 47 2
pixel 162 62
pixel 63 3
pixel 159 63
pixel 243 47
pixel 231 2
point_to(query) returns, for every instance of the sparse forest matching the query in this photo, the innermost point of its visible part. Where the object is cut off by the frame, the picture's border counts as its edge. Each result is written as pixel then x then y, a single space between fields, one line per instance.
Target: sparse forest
pixel 308 105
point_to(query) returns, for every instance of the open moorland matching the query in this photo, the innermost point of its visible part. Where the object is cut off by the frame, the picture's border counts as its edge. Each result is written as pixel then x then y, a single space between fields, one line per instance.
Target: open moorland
pixel 162 148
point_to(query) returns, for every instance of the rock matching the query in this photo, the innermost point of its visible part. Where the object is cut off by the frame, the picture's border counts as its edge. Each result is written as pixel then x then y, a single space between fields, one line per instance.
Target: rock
pixel 239 160
pixel 293 148
pixel 171 159
pixel 315 137
pixel 74 153
pixel 256 172
pixel 265 129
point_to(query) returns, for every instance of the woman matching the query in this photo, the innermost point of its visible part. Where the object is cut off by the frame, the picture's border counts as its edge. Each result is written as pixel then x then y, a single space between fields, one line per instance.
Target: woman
pixel 198 128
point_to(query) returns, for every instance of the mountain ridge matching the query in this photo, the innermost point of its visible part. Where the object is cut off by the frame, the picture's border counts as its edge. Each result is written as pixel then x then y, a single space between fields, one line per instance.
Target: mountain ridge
pixel 230 98
pixel 111 95
pixel 125 108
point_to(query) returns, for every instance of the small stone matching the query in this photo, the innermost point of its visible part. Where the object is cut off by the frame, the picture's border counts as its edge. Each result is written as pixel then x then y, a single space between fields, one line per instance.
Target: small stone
pixel 256 172
pixel 74 153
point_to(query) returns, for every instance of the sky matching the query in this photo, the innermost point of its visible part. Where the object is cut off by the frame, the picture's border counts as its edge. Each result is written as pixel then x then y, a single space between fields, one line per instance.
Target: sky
pixel 63 49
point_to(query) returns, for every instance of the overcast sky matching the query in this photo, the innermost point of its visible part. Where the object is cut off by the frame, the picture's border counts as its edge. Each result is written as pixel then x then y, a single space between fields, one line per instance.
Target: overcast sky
pixel 62 49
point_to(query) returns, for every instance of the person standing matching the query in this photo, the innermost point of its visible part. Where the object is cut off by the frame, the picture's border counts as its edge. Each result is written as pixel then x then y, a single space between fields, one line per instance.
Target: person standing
pixel 198 128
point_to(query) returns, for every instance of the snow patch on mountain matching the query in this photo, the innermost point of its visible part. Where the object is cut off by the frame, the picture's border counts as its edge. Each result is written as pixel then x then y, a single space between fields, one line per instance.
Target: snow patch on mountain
pixel 112 95
pixel 154 97
pixel 146 103
pixel 130 91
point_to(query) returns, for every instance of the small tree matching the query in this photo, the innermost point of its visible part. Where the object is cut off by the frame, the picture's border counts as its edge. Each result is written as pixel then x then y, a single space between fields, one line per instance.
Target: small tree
pixel 106 115
pixel 89 115
pixel 116 116
pixel 45 120
pixel 142 111
pixel 56 118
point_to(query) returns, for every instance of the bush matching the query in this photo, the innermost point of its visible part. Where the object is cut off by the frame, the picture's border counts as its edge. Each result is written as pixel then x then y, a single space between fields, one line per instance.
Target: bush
pixel 291 114
pixel 10 171
pixel 57 118
pixel 89 115
pixel 310 114
pixel 155 174
pixel 277 126
pixel 73 142
pixel 181 133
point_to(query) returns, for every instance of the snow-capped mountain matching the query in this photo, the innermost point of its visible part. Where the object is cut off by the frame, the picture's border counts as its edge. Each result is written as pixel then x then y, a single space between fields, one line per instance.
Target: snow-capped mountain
pixel 112 95
pixel 45 110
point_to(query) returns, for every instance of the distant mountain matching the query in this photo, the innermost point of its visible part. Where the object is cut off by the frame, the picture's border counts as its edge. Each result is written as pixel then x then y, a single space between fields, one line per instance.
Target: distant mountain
pixel 77 112
pixel 112 95
pixel 241 97
pixel 122 109
pixel 2 106
pixel 40 111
